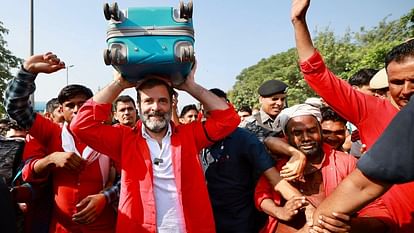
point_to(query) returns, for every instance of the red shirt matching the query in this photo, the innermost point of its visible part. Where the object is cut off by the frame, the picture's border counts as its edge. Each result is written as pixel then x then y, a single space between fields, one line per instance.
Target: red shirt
pixel 137 210
pixel 371 115
pixel 69 188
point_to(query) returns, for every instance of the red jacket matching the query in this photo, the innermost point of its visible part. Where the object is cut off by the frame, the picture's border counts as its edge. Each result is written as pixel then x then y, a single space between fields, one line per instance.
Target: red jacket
pixel 137 210
pixel 69 188
pixel 371 115
pixel 335 168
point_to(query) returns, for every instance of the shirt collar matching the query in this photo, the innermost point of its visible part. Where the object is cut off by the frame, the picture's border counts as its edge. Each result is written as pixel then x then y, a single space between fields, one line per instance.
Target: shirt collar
pixel 265 117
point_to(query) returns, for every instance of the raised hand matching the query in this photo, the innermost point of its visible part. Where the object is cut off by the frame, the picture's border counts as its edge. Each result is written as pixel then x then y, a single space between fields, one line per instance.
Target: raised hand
pixel 299 9
pixel 190 80
pixel 44 63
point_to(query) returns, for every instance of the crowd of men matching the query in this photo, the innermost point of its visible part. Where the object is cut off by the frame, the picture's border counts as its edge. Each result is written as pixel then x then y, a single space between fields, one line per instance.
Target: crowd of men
pixel 106 163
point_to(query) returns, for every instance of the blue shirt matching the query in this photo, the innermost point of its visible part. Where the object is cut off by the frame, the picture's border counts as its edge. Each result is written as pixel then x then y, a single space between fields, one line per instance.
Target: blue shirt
pixel 234 165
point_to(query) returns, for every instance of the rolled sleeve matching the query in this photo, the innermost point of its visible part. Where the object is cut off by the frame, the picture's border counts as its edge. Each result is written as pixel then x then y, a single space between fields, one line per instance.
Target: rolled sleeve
pixel 314 64
pixel 221 123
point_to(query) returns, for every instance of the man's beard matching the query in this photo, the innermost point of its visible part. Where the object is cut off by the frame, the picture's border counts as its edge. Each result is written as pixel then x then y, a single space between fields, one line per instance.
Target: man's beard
pixel 311 152
pixel 157 125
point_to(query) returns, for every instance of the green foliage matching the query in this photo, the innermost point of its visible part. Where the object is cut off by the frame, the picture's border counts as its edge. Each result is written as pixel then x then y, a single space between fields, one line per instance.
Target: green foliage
pixel 7 62
pixel 343 55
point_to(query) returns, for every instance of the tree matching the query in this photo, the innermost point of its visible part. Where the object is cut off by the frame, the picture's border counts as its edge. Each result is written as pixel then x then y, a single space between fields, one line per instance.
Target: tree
pixel 7 62
pixel 343 55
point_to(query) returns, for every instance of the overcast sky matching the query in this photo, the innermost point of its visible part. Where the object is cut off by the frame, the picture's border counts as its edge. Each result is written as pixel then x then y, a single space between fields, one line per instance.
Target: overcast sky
pixel 230 34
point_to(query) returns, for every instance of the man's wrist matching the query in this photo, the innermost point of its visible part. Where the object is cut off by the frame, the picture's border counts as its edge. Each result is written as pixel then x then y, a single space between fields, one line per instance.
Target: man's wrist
pixel 118 83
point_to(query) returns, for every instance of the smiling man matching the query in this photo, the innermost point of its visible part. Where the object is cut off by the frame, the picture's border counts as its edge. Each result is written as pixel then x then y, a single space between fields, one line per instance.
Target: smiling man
pixel 325 168
pixel 272 99
pixel 162 182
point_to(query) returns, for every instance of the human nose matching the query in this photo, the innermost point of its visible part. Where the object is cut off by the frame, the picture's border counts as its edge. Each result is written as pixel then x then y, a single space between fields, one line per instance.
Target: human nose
pixel 76 108
pixel 279 102
pixel 155 106
pixel 306 137
pixel 408 88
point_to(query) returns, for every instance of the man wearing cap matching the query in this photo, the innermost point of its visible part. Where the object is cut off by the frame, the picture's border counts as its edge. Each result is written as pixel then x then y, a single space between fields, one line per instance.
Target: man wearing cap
pixel 233 166
pixel 325 168
pixel 370 114
pixel 272 99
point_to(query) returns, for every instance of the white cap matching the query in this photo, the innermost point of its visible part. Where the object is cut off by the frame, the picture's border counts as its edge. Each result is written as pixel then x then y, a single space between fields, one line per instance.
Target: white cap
pixel 380 80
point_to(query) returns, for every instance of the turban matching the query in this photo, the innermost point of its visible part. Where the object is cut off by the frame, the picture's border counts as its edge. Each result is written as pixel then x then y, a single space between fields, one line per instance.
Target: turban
pixel 297 110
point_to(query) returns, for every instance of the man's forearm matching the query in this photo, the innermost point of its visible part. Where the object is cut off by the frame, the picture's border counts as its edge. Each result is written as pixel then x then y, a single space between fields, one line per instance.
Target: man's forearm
pixel 17 98
pixel 303 39
pixel 41 167
pixel 109 93
pixel 281 185
pixel 352 194
pixel 209 100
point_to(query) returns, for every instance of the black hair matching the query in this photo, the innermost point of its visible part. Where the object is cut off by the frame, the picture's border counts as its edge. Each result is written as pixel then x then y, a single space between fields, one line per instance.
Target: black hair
pixel 150 83
pixel 362 77
pixel 328 114
pixel 73 90
pixel 218 92
pixel 188 108
pixel 245 108
pixel 52 104
pixel 124 99
pixel 400 52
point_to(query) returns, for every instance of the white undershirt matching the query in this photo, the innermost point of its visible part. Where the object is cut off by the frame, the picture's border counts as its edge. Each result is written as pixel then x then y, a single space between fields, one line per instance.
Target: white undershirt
pixel 169 211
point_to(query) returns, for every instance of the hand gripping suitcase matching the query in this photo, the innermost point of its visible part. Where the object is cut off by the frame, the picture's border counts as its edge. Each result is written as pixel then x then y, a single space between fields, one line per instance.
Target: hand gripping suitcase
pixel 150 40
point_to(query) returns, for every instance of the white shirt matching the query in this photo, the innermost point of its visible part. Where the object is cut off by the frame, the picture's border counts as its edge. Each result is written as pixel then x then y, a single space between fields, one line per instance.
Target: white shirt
pixel 170 217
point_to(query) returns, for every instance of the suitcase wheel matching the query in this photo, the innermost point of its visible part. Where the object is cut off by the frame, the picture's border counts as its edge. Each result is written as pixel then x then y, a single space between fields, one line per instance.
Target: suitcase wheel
pixel 187 54
pixel 186 10
pixel 112 12
pixel 107 13
pixel 107 57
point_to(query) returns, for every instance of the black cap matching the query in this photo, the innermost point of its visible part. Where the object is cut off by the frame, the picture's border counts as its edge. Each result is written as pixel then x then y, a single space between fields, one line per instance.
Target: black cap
pixel 271 87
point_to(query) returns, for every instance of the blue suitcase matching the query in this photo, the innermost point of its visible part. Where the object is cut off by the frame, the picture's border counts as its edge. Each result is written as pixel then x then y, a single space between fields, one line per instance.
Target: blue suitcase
pixel 150 40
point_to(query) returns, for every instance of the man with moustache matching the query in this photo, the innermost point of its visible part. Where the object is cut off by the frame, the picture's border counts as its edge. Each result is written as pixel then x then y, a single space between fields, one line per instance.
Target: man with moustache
pixel 162 182
pixel 325 168
pixel 371 115
pixel 272 99
pixel 125 111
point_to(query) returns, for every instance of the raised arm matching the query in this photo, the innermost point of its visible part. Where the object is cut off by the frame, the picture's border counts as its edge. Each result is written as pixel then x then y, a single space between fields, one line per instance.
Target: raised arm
pixel 19 89
pixel 209 100
pixel 303 39
pixel 109 93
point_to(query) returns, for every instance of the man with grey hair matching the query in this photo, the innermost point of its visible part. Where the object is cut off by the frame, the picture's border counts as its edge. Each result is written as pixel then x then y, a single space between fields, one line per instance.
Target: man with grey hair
pixel 162 182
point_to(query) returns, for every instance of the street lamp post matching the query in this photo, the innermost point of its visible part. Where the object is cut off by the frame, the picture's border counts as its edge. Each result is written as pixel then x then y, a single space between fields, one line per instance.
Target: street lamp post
pixel 31 97
pixel 67 73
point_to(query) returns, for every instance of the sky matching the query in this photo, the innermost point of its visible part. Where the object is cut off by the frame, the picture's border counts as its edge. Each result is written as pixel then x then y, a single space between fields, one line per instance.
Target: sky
pixel 230 35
